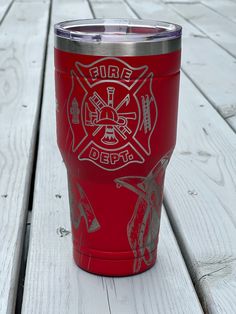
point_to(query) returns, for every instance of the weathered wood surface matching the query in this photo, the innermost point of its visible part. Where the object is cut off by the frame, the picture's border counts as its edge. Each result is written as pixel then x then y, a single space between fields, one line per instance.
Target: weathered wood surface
pixel 115 9
pixel 21 64
pixel 53 283
pixel 200 196
pixel 227 8
pixel 210 67
pixel 219 28
pixel 201 187
pixel 200 191
pixel 4 7
pixel 180 1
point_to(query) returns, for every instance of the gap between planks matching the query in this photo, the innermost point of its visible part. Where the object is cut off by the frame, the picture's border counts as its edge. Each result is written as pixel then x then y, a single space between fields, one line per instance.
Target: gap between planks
pixel 135 293
pixel 218 110
pixel 19 125
pixel 180 7
pixel 26 237
pixel 4 9
pixel 224 99
pixel 225 9
pixel 212 272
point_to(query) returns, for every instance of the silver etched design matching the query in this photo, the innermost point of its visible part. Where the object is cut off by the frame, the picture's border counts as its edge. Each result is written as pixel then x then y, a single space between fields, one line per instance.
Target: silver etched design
pixel 146 123
pixel 143 227
pixel 106 116
pixel 80 207
pixel 75 111
pixel 112 112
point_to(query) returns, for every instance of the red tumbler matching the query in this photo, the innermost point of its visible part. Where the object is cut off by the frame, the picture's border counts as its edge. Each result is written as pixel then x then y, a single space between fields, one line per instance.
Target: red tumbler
pixel 117 83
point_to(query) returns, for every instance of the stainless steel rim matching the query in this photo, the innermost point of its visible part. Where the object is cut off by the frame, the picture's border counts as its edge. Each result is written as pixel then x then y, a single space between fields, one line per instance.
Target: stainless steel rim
pixel 117 37
pixel 118 48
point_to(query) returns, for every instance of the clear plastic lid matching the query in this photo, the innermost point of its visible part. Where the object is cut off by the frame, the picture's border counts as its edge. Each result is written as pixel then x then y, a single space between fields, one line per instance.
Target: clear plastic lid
pixel 117 30
pixel 117 36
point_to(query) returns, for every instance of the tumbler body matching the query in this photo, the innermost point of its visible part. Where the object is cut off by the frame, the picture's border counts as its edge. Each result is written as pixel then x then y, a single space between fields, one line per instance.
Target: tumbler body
pixel 116 130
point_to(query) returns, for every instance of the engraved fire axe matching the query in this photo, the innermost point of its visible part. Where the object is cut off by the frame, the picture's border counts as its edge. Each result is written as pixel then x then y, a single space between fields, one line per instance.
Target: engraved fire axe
pixel 143 227
pixel 86 211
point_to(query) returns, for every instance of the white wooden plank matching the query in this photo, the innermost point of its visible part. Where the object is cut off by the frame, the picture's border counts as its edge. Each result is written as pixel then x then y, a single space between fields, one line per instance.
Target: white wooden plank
pixel 200 192
pixel 114 9
pixel 32 1
pixel 217 27
pixel 232 122
pixel 156 10
pixel 21 61
pixel 201 196
pixel 180 1
pixel 103 1
pixel 4 7
pixel 226 8
pixel 211 68
pixel 213 71
pixel 53 283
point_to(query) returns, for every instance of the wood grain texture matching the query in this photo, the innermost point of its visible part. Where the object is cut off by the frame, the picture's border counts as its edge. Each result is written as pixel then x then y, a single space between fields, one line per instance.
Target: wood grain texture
pixel 53 283
pixel 200 196
pixel 219 28
pixel 157 10
pixel 232 122
pixel 200 191
pixel 21 61
pixel 180 1
pixel 227 8
pixel 114 9
pixel 4 7
pixel 210 67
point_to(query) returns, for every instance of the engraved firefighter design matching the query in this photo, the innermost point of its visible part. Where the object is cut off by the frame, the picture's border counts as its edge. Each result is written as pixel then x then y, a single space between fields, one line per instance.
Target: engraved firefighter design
pixel 143 227
pixel 80 207
pixel 112 112
pixel 108 117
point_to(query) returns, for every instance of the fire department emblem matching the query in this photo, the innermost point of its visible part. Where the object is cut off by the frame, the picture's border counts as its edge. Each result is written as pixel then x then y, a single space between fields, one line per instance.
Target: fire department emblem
pixel 112 112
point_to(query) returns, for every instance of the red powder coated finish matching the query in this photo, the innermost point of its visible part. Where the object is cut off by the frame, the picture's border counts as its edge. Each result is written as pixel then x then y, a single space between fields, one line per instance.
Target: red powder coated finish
pixel 116 130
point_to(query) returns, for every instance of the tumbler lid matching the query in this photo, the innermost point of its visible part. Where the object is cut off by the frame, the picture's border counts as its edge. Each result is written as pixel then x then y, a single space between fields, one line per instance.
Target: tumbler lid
pixel 117 37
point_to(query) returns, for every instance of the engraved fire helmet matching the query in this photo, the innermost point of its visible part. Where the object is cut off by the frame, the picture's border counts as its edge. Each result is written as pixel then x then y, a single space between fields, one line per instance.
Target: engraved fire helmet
pixel 108 115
